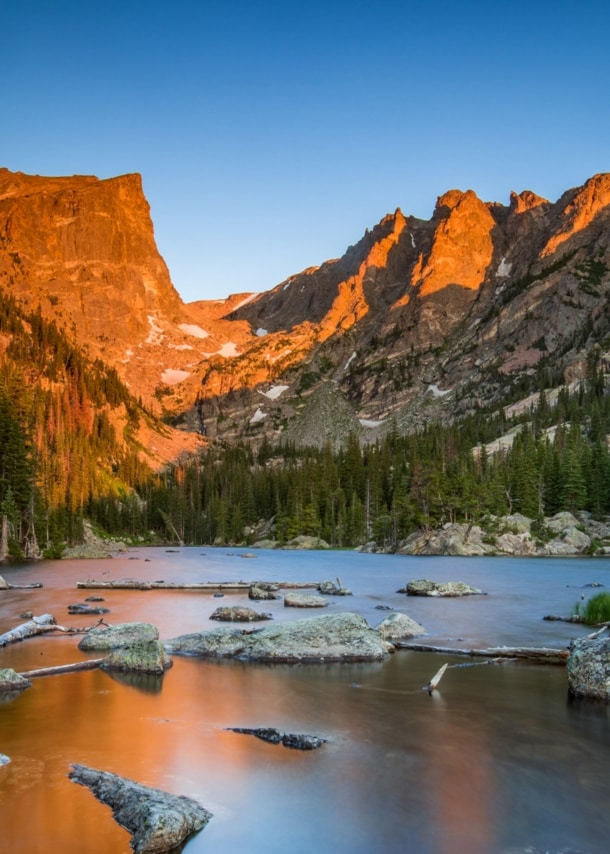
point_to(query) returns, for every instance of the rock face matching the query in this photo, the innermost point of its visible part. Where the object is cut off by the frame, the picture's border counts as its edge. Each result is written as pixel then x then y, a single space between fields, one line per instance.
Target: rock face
pixel 340 637
pixel 158 821
pixel 589 668
pixel 449 307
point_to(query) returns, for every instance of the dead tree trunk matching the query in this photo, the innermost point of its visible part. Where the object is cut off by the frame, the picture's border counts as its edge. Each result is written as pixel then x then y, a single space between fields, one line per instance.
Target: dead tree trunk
pixel 88 664
pixel 35 626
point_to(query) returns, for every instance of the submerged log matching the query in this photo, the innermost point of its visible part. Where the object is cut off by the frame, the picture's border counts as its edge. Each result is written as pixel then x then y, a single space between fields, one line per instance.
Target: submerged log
pixel 540 655
pixel 433 683
pixel 131 584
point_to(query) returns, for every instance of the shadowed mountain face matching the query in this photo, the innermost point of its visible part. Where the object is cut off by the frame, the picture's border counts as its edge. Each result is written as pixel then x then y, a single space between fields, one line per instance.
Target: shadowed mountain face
pixel 418 320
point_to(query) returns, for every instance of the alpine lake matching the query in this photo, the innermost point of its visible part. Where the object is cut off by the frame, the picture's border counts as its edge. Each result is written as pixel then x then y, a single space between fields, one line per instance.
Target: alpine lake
pixel 498 760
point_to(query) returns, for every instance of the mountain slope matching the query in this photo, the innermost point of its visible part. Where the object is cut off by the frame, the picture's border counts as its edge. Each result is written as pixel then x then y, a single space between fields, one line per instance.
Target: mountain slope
pixel 418 320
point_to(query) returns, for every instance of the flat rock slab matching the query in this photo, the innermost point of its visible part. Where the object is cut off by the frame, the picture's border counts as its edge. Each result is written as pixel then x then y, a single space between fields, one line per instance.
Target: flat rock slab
pixel 337 637
pixel 238 614
pixel 424 587
pixel 124 634
pixel 304 600
pixel 297 741
pixel 157 820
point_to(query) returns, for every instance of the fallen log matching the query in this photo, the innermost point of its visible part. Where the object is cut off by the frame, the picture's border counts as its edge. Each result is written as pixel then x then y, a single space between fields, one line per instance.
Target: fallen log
pixel 35 626
pixel 88 664
pixel 41 625
pixel 540 655
pixel 131 584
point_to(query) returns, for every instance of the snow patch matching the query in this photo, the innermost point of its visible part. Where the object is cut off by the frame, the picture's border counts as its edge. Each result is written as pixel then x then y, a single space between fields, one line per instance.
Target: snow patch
pixel 436 391
pixel 261 332
pixel 275 392
pixel 412 241
pixel 504 268
pixel 287 285
pixel 245 301
pixel 180 347
pixel 155 336
pixel 258 416
pixel 171 376
pixel 366 423
pixel 227 350
pixel 349 361
pixel 193 329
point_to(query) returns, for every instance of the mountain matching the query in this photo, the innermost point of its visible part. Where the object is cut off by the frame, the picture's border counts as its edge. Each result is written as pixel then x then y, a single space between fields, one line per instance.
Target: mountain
pixel 419 320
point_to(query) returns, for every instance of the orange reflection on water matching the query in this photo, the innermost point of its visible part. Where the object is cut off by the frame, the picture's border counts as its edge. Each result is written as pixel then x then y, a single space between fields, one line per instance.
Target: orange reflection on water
pixel 461 783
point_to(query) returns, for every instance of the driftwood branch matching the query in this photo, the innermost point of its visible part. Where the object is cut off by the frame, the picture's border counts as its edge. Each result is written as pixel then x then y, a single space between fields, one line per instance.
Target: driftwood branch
pixel 433 683
pixel 541 655
pixel 41 625
pixel 88 664
pixel 212 586
pixel 35 626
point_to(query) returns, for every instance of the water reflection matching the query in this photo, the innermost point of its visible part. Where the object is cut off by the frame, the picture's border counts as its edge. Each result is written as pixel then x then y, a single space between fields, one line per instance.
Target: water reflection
pixel 498 759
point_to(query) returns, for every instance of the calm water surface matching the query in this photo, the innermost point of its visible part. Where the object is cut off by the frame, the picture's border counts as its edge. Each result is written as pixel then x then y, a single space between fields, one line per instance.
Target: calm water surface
pixel 499 760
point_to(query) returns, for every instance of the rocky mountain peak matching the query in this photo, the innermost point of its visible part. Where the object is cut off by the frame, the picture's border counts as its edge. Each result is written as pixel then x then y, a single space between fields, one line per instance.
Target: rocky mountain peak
pixel 525 201
pixel 462 246
pixel 578 209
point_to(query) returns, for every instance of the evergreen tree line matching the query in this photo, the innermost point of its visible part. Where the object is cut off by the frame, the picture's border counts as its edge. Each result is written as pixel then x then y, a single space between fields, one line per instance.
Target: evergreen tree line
pixel 559 460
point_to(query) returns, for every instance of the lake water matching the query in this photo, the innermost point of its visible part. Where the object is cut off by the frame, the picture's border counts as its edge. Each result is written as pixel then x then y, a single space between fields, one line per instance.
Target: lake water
pixel 498 760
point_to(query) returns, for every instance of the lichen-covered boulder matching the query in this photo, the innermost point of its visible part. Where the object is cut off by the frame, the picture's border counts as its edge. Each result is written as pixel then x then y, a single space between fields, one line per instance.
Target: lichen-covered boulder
pixel 12 682
pixel 337 637
pixel 124 634
pixel 237 614
pixel 158 821
pixel 263 591
pixel 398 626
pixel 588 668
pixel 425 587
pixel 141 657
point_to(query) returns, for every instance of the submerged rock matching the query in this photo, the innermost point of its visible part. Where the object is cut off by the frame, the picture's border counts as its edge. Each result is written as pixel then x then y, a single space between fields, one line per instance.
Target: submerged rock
pixel 297 741
pixel 4 759
pixel 86 609
pixel 141 657
pixel 157 820
pixel 424 587
pixel 124 634
pixel 588 668
pixel 337 637
pixel 238 614
pixel 397 626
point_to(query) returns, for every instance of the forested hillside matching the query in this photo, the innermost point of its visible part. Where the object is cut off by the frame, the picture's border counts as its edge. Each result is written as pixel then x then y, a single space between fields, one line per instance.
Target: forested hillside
pixel 558 460
pixel 66 428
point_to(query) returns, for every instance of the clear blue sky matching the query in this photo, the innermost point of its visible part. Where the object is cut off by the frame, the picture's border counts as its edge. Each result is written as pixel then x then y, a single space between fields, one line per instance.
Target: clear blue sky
pixel 270 135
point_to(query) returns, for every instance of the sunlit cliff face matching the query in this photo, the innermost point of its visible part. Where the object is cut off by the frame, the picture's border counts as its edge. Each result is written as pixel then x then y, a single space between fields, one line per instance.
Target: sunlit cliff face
pixel 462 248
